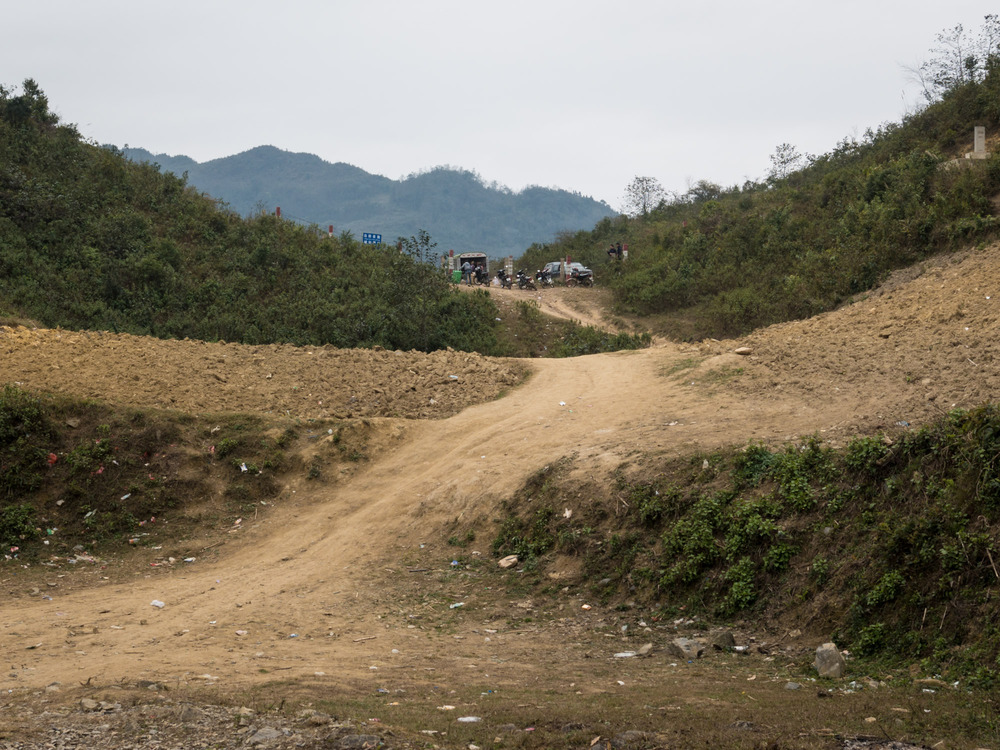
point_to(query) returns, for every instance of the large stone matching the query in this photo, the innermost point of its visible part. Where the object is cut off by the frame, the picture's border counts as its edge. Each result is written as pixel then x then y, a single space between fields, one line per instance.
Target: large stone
pixel 264 735
pixel 722 639
pixel 685 648
pixel 829 661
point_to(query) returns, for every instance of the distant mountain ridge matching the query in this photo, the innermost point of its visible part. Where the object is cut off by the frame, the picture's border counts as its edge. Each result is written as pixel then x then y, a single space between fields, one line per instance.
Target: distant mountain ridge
pixel 455 207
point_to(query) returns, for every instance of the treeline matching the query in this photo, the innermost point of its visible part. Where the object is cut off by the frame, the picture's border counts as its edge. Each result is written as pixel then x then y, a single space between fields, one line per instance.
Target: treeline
pixel 89 239
pixel 722 261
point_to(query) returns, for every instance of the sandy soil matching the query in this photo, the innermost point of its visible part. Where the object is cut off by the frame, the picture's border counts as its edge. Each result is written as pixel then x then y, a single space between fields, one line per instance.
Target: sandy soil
pixel 320 589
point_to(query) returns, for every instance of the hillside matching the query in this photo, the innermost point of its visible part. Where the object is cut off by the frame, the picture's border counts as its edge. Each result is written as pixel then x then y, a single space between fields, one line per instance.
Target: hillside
pixel 455 207
pixel 339 594
pixel 720 261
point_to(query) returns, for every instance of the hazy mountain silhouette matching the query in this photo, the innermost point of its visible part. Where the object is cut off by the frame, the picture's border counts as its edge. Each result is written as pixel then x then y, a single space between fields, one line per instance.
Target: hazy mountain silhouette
pixel 454 206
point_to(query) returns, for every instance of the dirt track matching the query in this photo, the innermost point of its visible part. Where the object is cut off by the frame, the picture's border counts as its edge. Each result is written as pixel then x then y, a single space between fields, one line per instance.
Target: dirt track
pixel 323 567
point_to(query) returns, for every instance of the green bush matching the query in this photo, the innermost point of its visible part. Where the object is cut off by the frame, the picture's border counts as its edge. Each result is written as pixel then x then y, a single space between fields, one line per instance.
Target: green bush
pixel 21 415
pixel 590 340
pixel 865 454
pixel 741 585
pixel 17 523
pixel 24 431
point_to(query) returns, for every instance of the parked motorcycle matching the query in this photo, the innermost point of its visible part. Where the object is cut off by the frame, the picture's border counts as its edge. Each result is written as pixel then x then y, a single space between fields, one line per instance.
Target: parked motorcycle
pixel 524 281
pixel 544 277
pixel 481 276
pixel 506 282
pixel 580 276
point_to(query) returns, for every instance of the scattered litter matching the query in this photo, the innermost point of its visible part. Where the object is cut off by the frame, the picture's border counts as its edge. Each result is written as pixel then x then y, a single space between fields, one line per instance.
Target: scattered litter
pixel 567 513
pixel 453 377
pixel 456 605
pixel 243 468
pixel 585 606
pixel 293 635
pixel 454 563
pixel 126 496
pixel 157 603
pixel 189 559
pixel 624 654
pixel 562 403
pixel 446 708
pixel 469 719
pixel 241 632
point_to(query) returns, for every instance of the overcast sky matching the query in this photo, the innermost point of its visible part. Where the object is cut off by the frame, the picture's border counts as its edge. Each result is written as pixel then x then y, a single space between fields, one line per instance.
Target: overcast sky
pixel 575 94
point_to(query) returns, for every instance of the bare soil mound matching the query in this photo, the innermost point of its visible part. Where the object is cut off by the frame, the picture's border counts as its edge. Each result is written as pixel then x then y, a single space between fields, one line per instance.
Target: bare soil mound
pixel 349 590
pixel 195 376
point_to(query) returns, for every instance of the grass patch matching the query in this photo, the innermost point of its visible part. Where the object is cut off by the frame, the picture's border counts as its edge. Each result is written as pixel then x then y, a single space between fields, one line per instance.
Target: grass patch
pixel 888 547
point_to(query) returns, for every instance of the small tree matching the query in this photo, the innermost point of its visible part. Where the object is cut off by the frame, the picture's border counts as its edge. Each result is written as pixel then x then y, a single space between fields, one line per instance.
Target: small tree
pixel 959 58
pixel 419 248
pixel 703 191
pixel 785 160
pixel 642 195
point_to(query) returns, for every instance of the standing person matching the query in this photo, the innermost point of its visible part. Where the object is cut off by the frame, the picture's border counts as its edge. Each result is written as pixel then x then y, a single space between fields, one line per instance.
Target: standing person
pixel 611 251
pixel 618 250
pixel 467 272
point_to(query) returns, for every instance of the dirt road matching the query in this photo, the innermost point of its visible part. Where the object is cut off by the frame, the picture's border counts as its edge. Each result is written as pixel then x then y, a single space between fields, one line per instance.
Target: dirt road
pixel 320 590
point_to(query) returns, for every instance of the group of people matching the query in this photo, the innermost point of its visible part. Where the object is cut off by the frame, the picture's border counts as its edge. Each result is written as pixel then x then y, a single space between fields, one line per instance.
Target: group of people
pixel 616 251
pixel 469 270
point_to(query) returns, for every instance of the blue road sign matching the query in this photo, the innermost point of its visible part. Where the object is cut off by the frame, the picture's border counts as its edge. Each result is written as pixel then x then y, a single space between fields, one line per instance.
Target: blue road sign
pixel 370 238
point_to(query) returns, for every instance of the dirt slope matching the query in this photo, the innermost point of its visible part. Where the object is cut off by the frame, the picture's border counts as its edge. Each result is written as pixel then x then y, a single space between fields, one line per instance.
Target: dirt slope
pixel 321 591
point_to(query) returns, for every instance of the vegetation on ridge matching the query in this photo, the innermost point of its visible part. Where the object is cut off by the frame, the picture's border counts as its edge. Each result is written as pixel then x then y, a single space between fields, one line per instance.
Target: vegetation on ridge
pixel 721 261
pixel 90 240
